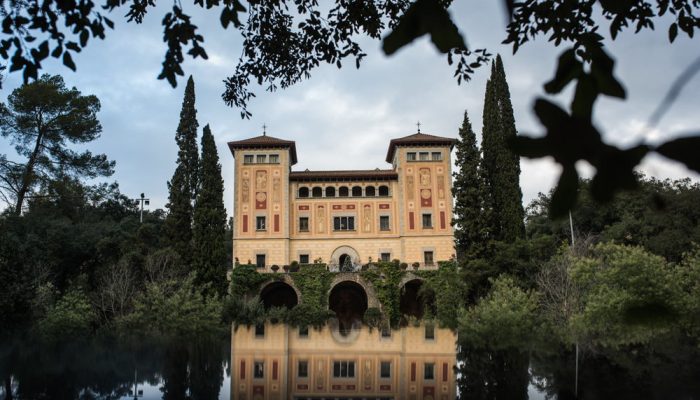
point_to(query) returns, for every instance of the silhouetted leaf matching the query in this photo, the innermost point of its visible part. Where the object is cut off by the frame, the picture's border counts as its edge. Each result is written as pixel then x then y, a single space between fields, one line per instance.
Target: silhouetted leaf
pixel 672 32
pixel 584 97
pixel 424 16
pixel 68 61
pixel 685 150
pixel 530 147
pixel 568 68
pixel 564 196
pixel 602 68
pixel 615 171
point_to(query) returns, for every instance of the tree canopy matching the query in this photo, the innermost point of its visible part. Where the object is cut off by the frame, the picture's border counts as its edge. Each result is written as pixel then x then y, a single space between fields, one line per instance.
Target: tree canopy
pixel 41 119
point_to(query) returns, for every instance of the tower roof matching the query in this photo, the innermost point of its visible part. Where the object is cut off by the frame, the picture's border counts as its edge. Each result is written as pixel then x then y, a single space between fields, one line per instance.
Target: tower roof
pixel 265 142
pixel 418 139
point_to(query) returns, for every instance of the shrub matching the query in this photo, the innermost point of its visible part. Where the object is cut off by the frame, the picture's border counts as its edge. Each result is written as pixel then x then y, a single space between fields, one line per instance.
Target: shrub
pixel 275 268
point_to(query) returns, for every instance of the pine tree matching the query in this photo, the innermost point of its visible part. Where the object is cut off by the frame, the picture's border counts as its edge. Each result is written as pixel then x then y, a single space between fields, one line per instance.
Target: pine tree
pixel 501 164
pixel 470 211
pixel 209 228
pixel 183 186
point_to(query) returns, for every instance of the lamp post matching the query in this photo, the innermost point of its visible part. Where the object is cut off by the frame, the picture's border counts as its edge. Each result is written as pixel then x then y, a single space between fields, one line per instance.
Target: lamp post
pixel 143 200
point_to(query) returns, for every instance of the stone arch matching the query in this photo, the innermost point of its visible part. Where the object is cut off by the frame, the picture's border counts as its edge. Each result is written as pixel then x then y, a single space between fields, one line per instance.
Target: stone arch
pixel 340 252
pixel 356 278
pixel 303 192
pixel 412 302
pixel 317 192
pixel 280 293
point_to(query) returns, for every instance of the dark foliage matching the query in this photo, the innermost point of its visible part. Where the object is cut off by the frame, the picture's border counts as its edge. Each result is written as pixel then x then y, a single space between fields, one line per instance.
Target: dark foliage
pixel 209 221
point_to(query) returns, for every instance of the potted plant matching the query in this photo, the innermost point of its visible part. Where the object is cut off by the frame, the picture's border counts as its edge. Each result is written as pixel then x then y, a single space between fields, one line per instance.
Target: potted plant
pixel 275 268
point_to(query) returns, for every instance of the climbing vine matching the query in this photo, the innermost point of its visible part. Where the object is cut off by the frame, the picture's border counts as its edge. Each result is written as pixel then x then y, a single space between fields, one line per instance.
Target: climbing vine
pixel 448 289
pixel 385 277
pixel 443 285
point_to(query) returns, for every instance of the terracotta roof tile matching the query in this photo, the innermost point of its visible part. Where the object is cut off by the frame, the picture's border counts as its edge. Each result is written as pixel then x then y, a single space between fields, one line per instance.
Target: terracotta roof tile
pixel 418 139
pixel 264 141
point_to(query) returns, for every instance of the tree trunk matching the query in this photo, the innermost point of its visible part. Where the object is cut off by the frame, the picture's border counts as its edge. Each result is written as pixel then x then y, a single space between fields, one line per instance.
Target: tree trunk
pixel 27 175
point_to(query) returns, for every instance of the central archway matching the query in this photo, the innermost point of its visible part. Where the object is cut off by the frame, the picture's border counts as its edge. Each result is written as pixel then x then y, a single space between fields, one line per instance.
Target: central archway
pixel 344 258
pixel 349 301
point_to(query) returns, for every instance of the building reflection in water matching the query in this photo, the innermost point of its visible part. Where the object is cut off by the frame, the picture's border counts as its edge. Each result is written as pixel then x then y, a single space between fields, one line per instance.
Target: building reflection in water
pixel 276 361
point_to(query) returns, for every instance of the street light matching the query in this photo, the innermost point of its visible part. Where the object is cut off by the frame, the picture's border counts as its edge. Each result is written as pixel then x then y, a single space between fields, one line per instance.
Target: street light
pixel 143 200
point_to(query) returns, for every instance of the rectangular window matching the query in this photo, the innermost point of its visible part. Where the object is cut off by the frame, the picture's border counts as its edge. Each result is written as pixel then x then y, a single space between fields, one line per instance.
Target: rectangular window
pixel 430 332
pixel 427 221
pixel 303 369
pixel 260 260
pixel 411 156
pixel 344 223
pixel 248 159
pixel 303 258
pixel 428 258
pixel 386 257
pixel 386 331
pixel 437 156
pixel 344 369
pixel 423 156
pixel 429 371
pixel 384 223
pixel 260 223
pixel 260 159
pixel 259 370
pixel 385 369
pixel 304 331
pixel 275 159
pixel 259 330
pixel 303 224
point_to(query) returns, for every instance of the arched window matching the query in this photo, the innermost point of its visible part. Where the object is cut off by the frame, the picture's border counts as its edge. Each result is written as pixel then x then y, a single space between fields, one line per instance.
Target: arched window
pixel 303 192
pixel 317 192
pixel 384 190
pixel 369 191
pixel 356 191
pixel 343 191
pixel 330 191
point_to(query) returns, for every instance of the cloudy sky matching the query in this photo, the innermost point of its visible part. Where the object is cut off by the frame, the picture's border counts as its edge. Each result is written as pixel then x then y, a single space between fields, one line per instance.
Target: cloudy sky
pixel 344 119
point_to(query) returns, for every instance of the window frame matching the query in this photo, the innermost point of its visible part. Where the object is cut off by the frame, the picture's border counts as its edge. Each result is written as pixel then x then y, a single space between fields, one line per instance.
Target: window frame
pixel 260 223
pixel 260 158
pixel 436 156
pixel 382 374
pixel 349 369
pixel 301 225
pixel 258 369
pixel 382 227
pixel 429 220
pixel 349 223
pixel 301 260
pixel 411 156
pixel 305 363
pixel 383 259
pixel 248 159
pixel 273 159
pixel 430 262
pixel 429 371
pixel 424 156
pixel 258 264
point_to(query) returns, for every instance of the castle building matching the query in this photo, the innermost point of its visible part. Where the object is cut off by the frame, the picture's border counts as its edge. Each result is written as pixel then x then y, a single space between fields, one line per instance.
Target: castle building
pixel 343 218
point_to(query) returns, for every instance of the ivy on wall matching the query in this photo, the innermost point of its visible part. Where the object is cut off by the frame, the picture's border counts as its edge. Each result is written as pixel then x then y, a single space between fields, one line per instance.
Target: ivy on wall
pixel 313 282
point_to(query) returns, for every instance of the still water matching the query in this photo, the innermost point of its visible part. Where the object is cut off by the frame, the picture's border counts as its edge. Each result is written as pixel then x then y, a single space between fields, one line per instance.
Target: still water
pixel 282 362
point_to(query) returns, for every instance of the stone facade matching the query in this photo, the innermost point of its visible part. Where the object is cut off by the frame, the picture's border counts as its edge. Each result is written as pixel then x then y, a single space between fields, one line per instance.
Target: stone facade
pixel 343 218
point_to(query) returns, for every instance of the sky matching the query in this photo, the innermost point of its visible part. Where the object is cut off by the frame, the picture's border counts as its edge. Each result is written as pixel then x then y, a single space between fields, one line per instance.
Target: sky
pixel 345 118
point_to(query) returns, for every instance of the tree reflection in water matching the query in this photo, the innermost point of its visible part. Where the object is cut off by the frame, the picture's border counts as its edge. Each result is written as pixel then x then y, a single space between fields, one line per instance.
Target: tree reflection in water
pixel 104 368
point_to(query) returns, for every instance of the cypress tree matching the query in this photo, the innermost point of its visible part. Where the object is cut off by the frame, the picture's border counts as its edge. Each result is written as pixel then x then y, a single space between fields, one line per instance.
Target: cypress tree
pixel 209 228
pixel 182 187
pixel 501 164
pixel 470 213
